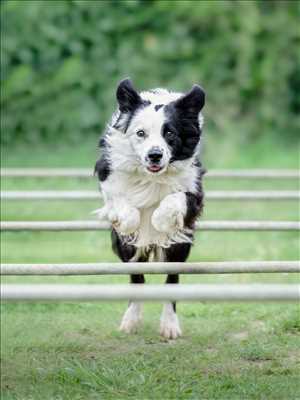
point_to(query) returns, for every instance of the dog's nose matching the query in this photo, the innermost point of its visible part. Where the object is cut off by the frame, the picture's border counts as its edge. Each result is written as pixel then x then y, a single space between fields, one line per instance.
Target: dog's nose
pixel 155 155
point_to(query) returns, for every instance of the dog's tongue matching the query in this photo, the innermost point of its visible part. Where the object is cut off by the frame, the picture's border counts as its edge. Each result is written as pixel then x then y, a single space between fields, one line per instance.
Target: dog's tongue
pixel 154 168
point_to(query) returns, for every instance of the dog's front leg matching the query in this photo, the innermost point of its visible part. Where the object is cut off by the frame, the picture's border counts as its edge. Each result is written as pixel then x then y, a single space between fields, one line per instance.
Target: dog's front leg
pixel 170 214
pixel 124 217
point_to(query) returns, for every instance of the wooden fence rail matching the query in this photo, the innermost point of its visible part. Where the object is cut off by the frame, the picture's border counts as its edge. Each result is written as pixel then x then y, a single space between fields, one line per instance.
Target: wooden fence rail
pixel 221 267
pixel 98 225
pixel 196 292
pixel 95 195
pixel 88 173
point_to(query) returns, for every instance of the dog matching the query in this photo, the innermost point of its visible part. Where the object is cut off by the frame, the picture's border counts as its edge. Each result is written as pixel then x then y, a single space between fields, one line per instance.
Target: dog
pixel 150 176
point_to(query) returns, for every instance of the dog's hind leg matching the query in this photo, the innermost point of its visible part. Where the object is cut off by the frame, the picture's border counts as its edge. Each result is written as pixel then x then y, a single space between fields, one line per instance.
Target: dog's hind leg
pixel 169 323
pixel 133 314
pixel 126 252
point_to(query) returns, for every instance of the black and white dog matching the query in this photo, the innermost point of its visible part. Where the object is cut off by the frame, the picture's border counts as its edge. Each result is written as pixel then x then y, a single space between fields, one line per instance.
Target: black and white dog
pixel 150 178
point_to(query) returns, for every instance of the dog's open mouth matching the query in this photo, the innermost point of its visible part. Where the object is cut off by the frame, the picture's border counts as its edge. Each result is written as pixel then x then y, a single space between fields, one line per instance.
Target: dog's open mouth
pixel 154 168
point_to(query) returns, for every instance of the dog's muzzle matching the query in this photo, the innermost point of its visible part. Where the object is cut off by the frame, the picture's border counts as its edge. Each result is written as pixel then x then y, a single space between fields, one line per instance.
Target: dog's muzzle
pixel 154 159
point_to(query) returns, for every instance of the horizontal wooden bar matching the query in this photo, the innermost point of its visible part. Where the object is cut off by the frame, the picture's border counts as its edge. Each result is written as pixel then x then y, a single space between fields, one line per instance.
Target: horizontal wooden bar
pixel 98 225
pixel 105 268
pixel 88 173
pixel 212 292
pixel 95 195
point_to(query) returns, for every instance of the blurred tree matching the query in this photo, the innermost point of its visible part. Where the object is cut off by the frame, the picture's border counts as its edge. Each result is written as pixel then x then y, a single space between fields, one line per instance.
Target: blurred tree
pixel 61 61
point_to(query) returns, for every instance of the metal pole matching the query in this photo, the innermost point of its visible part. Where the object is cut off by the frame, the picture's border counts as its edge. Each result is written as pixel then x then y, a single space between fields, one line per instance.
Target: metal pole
pixel 98 225
pixel 88 173
pixel 222 267
pixel 275 195
pixel 253 292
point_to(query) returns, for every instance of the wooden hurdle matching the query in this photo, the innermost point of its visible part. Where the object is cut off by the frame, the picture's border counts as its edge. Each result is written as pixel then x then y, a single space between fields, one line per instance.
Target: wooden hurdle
pixel 221 267
pixel 216 195
pixel 195 292
pixel 18 226
pixel 88 173
pixel 181 292
pixel 211 292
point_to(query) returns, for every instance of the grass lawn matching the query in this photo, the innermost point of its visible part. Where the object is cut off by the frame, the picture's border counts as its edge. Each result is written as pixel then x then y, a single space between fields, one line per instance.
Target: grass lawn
pixel 74 350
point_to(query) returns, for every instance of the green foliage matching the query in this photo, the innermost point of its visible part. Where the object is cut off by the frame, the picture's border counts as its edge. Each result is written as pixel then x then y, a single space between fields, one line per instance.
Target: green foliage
pixel 61 61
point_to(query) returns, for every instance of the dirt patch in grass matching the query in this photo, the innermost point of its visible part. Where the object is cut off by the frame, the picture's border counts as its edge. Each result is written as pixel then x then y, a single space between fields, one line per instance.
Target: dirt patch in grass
pixel 239 336
pixel 258 325
pixel 294 357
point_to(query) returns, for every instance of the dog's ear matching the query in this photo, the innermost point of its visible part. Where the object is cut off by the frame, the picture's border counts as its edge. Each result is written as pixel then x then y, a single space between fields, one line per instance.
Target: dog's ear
pixel 128 98
pixel 193 101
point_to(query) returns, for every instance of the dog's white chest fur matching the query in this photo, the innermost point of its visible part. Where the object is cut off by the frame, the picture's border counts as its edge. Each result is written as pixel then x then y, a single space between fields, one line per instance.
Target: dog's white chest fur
pixel 159 201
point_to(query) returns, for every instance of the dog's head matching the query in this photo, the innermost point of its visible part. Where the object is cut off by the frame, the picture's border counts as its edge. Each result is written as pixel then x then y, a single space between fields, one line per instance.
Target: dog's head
pixel 161 126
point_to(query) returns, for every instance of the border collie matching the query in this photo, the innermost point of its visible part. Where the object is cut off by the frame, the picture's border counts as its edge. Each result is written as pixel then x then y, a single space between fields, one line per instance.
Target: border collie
pixel 150 178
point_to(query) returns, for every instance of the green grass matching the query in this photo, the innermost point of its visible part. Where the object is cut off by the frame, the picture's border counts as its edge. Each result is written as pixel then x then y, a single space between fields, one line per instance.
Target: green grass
pixel 74 350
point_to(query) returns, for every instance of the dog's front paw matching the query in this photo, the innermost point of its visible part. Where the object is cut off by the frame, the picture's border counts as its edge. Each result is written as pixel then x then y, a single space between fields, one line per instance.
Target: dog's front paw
pixel 169 216
pixel 125 220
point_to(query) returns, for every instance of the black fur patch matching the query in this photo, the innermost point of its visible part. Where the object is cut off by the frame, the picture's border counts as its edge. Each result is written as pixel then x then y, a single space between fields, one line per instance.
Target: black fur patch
pixel 102 143
pixel 129 102
pixel 125 119
pixel 137 278
pixel 181 130
pixel 173 279
pixel 194 208
pixel 123 250
pixel 195 201
pixel 128 98
pixel 158 106
pixel 182 134
pixel 177 252
pixel 192 102
pixel 102 168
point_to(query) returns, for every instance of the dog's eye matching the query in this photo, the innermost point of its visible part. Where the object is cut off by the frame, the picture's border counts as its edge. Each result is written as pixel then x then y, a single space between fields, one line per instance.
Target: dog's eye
pixel 141 133
pixel 169 134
